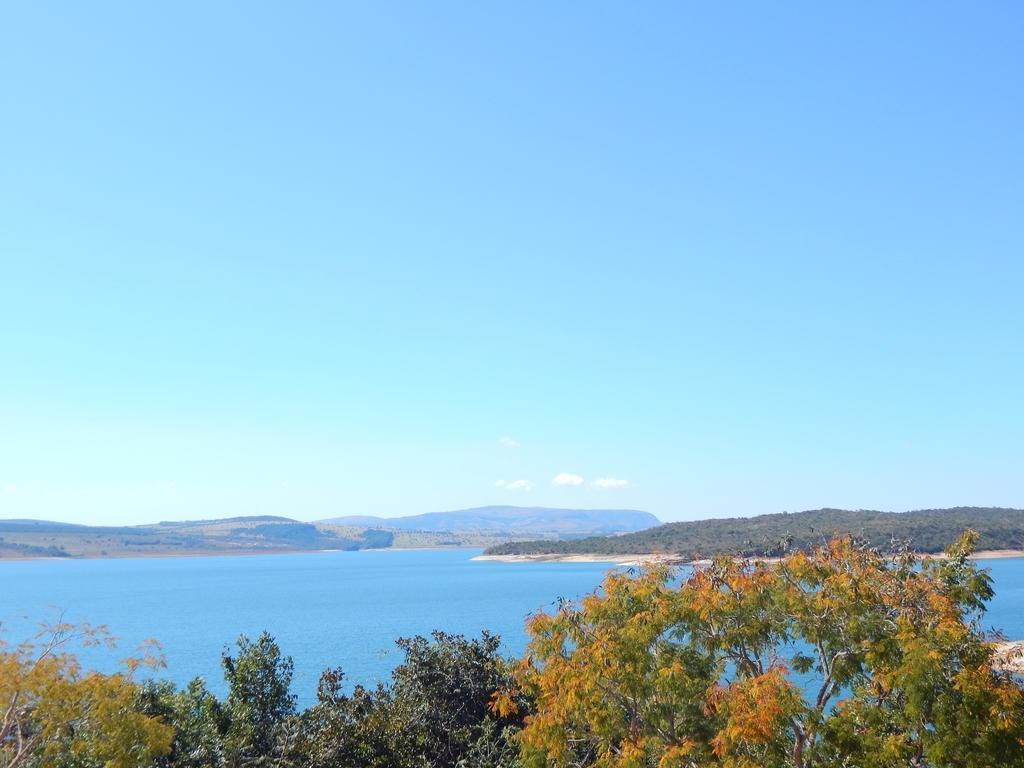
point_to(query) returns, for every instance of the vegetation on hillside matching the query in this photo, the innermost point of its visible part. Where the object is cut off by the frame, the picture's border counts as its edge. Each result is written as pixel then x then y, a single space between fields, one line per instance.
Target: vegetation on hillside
pixel 237 534
pixel 258 534
pixel 927 531
pixel 838 657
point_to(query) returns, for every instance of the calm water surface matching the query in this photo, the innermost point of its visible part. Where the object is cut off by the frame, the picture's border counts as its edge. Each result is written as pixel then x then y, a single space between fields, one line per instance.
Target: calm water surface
pixel 325 609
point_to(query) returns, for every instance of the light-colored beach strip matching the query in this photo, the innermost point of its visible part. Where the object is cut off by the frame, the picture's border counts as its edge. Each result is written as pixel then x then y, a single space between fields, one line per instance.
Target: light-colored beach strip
pixel 644 559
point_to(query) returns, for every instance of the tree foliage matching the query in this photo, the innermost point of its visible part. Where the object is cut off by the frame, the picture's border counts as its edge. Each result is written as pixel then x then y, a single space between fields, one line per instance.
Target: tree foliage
pixel 437 712
pixel 259 703
pixel 197 717
pixel 54 713
pixel 836 657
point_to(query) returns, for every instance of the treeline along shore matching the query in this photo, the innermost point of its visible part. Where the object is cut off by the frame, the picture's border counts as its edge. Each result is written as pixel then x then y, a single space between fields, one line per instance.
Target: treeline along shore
pixel 840 656
pixel 927 531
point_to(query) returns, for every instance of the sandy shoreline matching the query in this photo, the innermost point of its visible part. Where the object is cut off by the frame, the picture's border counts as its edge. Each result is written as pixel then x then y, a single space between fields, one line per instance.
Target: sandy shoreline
pixel 217 553
pixel 620 559
pixel 626 559
pixel 161 555
pixel 643 559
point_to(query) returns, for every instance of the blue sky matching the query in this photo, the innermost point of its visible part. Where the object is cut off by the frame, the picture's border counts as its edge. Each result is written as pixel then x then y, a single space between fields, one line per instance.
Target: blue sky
pixel 320 259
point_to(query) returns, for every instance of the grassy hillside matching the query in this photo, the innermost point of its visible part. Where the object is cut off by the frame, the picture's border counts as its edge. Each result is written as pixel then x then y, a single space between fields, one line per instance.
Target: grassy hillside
pixel 235 535
pixel 34 538
pixel 927 530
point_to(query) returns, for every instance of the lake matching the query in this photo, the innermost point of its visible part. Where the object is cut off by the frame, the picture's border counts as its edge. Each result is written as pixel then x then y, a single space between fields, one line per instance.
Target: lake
pixel 326 609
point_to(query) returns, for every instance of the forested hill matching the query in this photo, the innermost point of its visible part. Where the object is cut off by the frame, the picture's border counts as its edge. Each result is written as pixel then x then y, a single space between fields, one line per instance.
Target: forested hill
pixel 927 530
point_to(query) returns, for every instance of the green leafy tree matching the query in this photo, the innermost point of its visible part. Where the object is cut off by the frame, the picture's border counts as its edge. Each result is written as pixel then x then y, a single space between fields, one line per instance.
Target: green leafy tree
pixel 259 706
pixel 437 713
pixel 197 718
pixel 354 731
pixel 443 693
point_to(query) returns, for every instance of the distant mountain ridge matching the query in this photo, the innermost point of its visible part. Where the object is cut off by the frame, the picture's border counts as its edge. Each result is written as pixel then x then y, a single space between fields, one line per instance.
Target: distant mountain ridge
pixel 926 530
pixel 512 520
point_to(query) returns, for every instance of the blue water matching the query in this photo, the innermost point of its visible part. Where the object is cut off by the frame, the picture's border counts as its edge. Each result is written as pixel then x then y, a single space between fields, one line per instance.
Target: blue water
pixel 325 609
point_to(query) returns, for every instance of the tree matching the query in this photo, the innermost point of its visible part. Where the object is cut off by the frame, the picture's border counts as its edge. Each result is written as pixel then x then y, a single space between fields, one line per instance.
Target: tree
pixel 443 692
pixel 52 710
pixel 437 712
pixel 354 731
pixel 197 718
pixel 259 706
pixel 838 657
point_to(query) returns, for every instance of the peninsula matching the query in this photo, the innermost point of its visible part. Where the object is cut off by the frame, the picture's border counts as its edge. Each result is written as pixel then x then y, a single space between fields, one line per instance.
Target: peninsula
pixel 927 531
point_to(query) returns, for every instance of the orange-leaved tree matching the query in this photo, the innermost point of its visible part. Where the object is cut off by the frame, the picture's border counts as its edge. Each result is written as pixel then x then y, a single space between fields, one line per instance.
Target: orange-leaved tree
pixel 51 710
pixel 841 656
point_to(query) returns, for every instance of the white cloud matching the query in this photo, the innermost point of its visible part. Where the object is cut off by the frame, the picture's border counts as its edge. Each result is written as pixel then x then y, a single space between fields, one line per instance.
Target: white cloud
pixel 566 478
pixel 11 488
pixel 516 485
pixel 508 442
pixel 610 482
